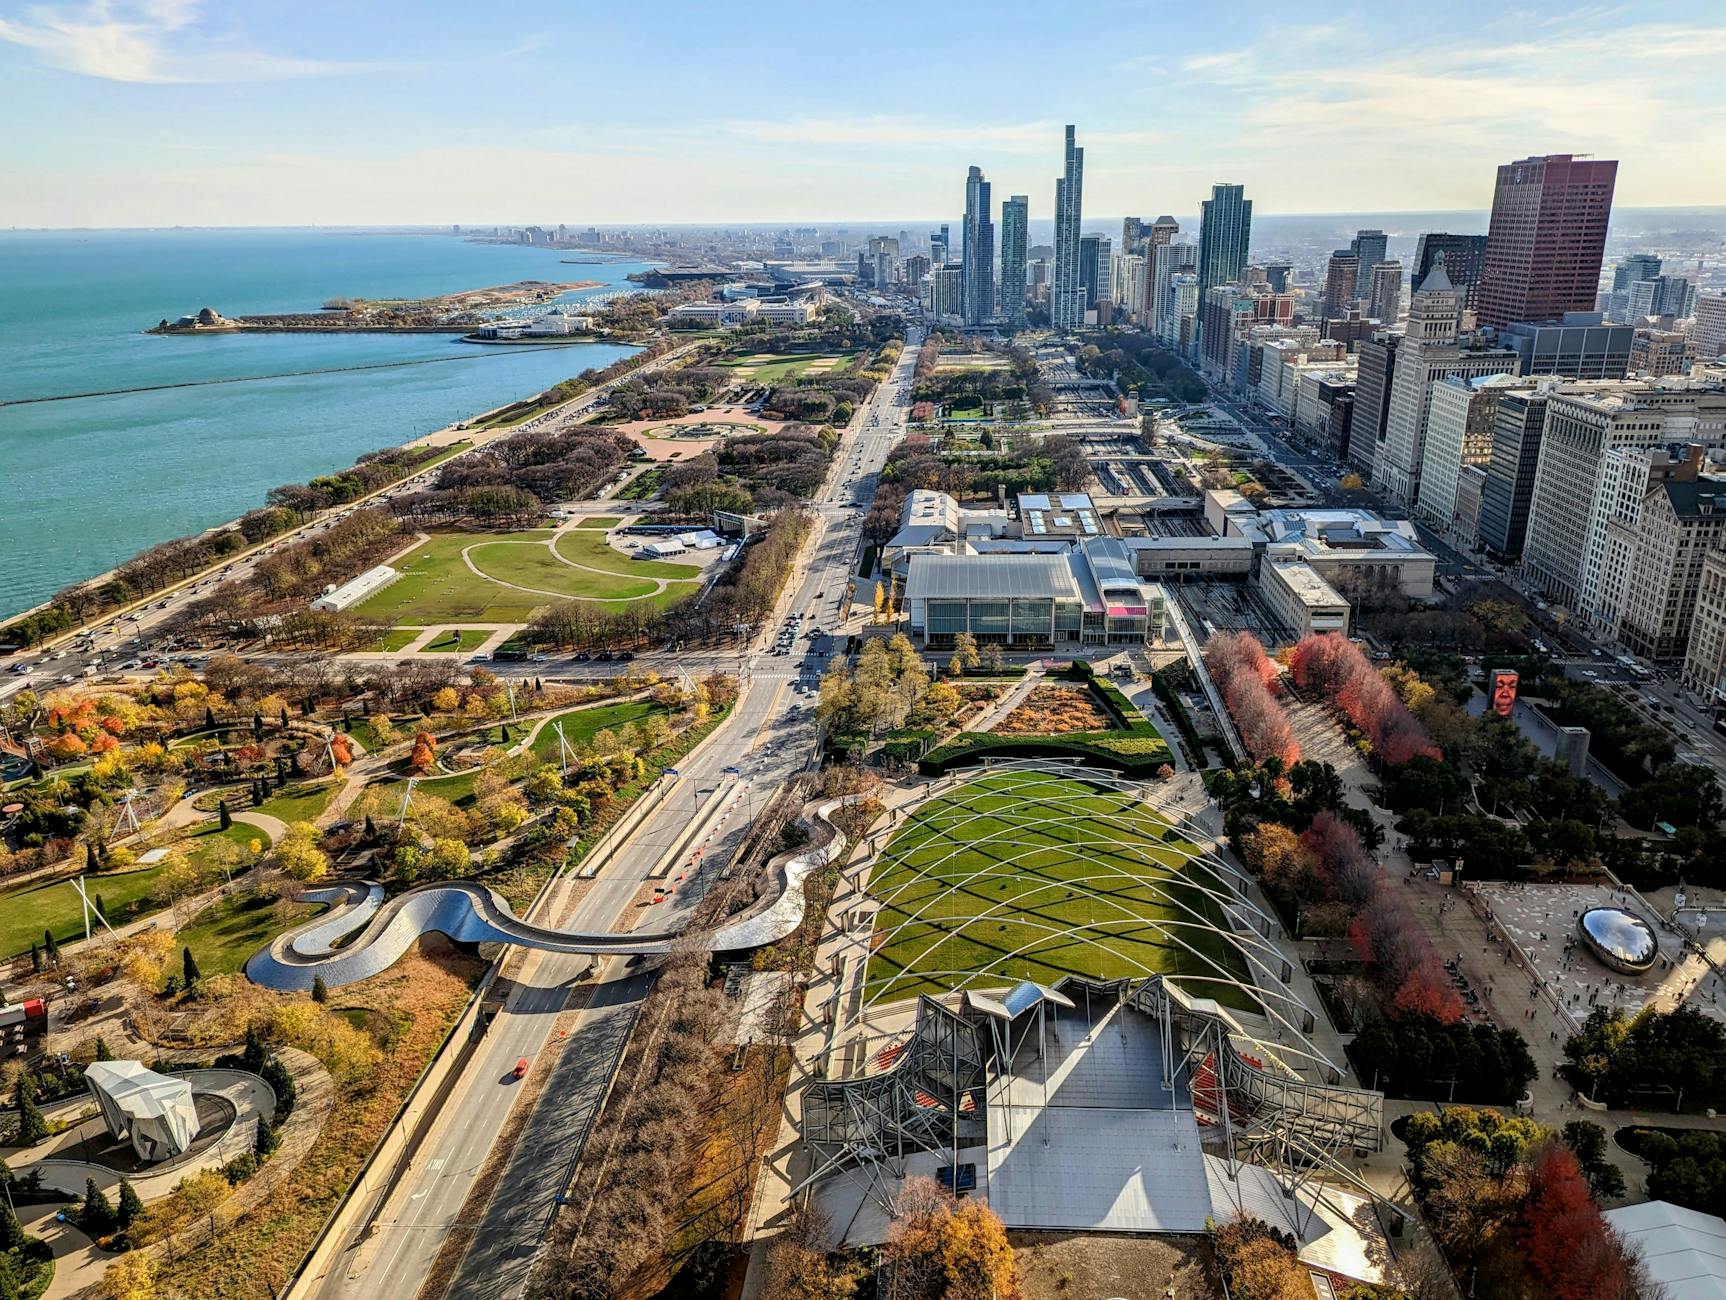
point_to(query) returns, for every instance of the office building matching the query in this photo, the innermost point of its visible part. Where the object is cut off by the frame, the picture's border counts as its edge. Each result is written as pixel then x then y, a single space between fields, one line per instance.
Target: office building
pixel 1094 269
pixel 1341 281
pixel 1459 433
pixel 1659 352
pixel 1464 256
pixel 1681 524
pixel 916 270
pixel 1129 282
pixel 1225 234
pixel 1384 292
pixel 1665 295
pixel 883 261
pixel 1166 262
pixel 1470 490
pixel 1705 657
pixel 1066 296
pixel 1580 346
pixel 1593 442
pixel 940 247
pixel 1375 370
pixel 947 292
pixel 979 250
pixel 1630 270
pixel 1369 248
pixel 1134 232
pixel 1509 486
pixel 1546 238
pixel 1279 275
pixel 1431 350
pixel 1708 328
pixel 1015 242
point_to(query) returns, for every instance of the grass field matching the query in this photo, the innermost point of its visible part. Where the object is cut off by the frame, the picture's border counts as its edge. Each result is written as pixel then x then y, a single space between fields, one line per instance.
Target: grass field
pixel 600 521
pixel 1027 876
pixel 299 803
pixel 776 367
pixel 455 641
pixel 581 725
pixel 230 930
pixel 396 638
pixel 437 585
pixel 28 910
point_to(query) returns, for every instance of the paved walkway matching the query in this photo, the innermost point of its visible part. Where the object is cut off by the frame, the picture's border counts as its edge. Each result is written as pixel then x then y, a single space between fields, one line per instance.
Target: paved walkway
pixel 1015 696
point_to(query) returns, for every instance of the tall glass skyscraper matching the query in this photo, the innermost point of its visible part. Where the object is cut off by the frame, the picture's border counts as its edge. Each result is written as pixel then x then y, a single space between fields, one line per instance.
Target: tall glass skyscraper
pixel 1066 294
pixel 1225 232
pixel 979 254
pixel 1015 239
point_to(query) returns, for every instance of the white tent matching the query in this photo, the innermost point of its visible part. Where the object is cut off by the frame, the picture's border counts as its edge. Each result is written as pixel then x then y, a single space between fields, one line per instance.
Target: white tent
pixel 155 1109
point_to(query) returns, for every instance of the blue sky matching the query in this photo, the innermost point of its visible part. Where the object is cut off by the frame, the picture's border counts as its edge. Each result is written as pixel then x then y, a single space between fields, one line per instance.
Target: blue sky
pixel 256 112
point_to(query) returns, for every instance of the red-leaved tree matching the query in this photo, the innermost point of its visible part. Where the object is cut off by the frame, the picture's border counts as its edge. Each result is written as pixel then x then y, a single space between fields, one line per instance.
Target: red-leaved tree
pixel 1249 682
pixel 1333 666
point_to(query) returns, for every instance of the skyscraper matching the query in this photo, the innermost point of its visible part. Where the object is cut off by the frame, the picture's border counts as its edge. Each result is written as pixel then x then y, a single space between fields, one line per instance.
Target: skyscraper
pixel 1341 282
pixel 1094 268
pixel 1133 231
pixel 1166 262
pixel 940 247
pixel 1066 297
pixel 1384 292
pixel 1369 246
pixel 1463 257
pixel 979 252
pixel 1225 232
pixel 1546 238
pixel 1015 238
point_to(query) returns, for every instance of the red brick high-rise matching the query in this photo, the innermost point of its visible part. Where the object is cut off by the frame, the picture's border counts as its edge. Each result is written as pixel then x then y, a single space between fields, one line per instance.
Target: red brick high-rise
pixel 1548 234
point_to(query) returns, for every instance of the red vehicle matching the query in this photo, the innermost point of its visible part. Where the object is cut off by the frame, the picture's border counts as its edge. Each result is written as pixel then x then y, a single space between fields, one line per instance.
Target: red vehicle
pixel 32 1009
pixel 521 1068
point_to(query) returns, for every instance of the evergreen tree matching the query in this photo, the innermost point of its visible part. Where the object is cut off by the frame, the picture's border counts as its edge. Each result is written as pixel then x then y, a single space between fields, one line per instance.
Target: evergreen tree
pixel 284 717
pixel 91 861
pixel 254 1054
pixel 11 1231
pixel 320 990
pixel 189 967
pixel 36 958
pixel 371 828
pixel 257 726
pixel 266 1141
pixel 32 1128
pixel 96 1215
pixel 224 818
pixel 101 906
pixel 10 1288
pixel 52 948
pixel 130 1206
pixel 281 1083
pixel 102 1052
pixel 257 794
pixel 209 717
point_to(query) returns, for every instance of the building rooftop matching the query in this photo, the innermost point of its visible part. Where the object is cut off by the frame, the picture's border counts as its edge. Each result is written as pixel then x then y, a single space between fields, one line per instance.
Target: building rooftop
pixel 963 576
pixel 1684 1250
pixel 1704 496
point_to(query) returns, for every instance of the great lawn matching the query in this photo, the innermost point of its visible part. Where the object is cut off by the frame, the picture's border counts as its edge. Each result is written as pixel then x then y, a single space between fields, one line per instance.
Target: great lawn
pixel 505 577
pixel 1025 876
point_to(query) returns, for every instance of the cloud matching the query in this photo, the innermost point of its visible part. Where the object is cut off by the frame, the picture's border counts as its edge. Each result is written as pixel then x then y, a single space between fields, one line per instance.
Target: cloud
pixel 153 42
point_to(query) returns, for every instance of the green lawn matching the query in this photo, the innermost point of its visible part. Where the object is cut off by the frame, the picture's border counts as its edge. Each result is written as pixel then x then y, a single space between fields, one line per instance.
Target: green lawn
pixel 438 585
pixel 601 521
pixel 454 787
pixel 299 803
pixel 230 930
pixel 239 833
pixel 397 638
pixel 776 367
pixel 1021 847
pixel 581 725
pixel 27 910
pixel 455 641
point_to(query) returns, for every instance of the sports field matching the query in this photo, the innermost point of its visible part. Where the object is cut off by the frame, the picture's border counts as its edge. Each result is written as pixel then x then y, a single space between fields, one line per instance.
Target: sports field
pixel 776 367
pixel 1030 876
pixel 505 577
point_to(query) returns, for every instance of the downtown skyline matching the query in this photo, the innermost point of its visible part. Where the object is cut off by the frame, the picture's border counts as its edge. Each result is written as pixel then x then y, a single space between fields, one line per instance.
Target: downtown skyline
pixel 165 112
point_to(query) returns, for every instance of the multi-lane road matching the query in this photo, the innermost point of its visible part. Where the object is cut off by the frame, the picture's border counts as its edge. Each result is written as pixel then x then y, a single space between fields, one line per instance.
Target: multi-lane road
pixel 769 736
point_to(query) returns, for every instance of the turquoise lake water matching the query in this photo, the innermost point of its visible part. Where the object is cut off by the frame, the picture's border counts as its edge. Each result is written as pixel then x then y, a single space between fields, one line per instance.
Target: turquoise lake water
pixel 85 484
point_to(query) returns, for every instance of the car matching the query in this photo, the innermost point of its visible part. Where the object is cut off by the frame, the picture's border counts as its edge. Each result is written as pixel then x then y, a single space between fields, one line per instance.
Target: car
pixel 19 669
pixel 582 656
pixel 625 655
pixel 479 659
pixel 520 1070
pixel 67 679
pixel 538 659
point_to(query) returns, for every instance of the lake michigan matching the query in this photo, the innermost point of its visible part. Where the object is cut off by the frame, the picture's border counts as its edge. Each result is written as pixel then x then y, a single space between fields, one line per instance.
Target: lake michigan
pixel 87 483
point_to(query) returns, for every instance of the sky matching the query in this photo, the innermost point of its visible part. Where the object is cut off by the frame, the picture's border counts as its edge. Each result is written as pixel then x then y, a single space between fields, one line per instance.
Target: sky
pixel 383 112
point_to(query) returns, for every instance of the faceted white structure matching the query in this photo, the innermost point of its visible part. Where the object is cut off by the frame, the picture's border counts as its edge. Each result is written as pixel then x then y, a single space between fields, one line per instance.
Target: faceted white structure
pixel 155 1109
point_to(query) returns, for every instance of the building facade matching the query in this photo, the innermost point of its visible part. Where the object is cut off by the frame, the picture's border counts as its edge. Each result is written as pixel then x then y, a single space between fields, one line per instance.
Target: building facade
pixel 1015 242
pixel 1459 433
pixel 1464 256
pixel 1375 370
pixel 1509 485
pixel 1225 234
pixel 1066 297
pixel 979 251
pixel 1546 239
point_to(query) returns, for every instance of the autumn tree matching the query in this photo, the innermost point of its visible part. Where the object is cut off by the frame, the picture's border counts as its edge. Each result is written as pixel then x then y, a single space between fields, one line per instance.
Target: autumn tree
pixel 130 1277
pixel 297 853
pixel 424 753
pixel 942 1249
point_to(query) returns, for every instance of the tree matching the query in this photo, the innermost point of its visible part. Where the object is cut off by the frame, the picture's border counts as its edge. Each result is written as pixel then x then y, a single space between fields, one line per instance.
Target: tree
pixel 131 1277
pixel 53 949
pixel 266 1139
pixel 297 853
pixel 320 990
pixel 130 1205
pixel 190 975
pixel 102 1052
pixel 11 1231
pixel 36 958
pixel 1587 1142
pixel 199 1194
pixel 96 1214
pixel 92 860
pixel 32 1127
pixel 224 818
pixel 965 650
pixel 253 1054
pixel 942 1250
